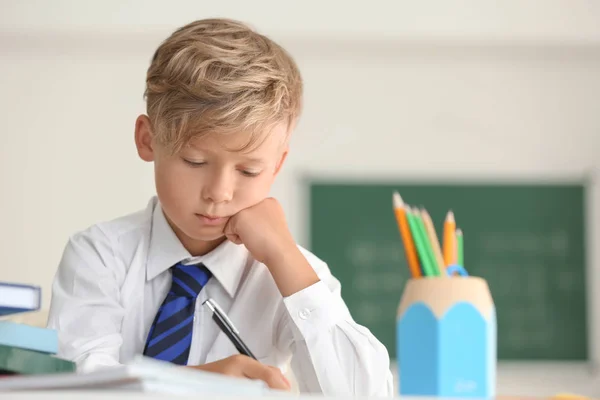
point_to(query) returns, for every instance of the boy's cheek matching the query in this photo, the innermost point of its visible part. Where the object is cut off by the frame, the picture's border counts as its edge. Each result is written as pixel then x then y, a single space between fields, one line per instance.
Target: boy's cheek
pixel 249 197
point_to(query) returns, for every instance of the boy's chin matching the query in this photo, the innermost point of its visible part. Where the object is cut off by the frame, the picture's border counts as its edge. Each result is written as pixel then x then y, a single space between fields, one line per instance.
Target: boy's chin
pixel 207 236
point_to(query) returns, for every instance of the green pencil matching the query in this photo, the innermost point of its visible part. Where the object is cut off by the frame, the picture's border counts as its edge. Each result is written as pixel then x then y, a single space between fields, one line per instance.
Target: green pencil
pixel 426 262
pixel 460 258
pixel 428 246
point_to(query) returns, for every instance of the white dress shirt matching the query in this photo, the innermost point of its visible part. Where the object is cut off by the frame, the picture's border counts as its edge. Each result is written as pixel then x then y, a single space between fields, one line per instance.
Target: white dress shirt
pixel 113 277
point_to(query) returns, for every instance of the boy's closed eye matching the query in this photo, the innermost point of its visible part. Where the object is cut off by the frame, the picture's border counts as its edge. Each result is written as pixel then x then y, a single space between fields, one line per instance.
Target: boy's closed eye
pixel 194 163
pixel 248 172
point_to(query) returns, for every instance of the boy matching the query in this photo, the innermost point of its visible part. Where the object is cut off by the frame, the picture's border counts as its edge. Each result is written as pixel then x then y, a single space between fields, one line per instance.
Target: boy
pixel 222 101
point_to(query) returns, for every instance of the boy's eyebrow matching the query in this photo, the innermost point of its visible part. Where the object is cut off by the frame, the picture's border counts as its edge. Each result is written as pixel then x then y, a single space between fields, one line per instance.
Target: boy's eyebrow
pixel 244 158
pixel 253 160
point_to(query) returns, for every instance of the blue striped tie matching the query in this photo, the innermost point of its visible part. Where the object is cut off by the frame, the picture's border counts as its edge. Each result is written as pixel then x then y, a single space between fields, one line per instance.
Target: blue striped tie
pixel 170 335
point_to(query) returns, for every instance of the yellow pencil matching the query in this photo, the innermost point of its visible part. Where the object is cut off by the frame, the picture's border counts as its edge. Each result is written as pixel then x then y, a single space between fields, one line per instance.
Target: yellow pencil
pixel 407 239
pixel 433 238
pixel 449 245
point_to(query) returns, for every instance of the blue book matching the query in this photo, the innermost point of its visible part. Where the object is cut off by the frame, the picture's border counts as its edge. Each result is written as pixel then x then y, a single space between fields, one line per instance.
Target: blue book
pixel 28 337
pixel 16 298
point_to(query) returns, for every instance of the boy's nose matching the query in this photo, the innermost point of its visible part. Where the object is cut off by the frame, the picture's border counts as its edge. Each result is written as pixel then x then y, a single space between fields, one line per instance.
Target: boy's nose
pixel 220 190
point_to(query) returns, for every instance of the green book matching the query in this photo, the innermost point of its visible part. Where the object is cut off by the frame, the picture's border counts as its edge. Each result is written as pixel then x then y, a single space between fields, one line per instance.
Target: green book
pixel 14 360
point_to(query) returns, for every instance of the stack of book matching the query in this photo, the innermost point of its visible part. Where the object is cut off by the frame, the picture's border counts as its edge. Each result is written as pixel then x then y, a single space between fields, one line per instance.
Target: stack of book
pixel 25 349
pixel 28 362
pixel 143 374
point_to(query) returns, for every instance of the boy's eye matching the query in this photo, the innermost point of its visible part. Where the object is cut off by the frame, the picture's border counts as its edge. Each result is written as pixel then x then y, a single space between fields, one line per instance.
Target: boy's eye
pixel 194 163
pixel 250 173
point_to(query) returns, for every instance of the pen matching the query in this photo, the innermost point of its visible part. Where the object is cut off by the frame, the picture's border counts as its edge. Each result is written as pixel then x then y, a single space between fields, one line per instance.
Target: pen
pixel 227 327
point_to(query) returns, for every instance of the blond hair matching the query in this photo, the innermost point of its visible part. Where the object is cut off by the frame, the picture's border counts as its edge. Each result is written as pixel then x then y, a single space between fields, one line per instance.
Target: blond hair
pixel 220 76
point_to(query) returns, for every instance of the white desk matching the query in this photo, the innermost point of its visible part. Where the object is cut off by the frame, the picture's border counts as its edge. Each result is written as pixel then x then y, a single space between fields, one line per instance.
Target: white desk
pixel 515 381
pixel 543 379
pixel 90 395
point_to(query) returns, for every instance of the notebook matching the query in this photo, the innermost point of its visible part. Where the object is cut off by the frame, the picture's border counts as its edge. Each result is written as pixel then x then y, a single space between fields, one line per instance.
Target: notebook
pixel 143 375
pixel 14 360
pixel 17 298
pixel 28 337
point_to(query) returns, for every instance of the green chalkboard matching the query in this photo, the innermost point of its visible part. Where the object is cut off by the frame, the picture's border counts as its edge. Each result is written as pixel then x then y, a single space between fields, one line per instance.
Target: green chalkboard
pixel 527 240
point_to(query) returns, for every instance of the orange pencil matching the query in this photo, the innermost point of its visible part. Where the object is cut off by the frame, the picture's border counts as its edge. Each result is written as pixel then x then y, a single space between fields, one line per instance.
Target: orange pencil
pixel 449 245
pixel 409 244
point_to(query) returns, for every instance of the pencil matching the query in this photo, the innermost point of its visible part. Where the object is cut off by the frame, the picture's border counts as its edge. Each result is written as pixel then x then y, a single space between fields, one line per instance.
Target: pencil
pixel 409 244
pixel 449 245
pixel 418 236
pixel 433 239
pixel 427 242
pixel 460 252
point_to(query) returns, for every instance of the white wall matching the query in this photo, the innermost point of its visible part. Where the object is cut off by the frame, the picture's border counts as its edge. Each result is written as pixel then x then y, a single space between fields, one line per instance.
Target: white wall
pixel 539 20
pixel 489 91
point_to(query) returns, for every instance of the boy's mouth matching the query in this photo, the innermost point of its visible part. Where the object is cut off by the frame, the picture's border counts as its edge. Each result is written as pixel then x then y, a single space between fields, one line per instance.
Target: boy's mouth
pixel 211 219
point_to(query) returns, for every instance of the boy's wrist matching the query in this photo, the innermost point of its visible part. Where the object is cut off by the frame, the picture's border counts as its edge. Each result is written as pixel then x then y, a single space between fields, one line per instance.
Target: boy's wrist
pixel 281 254
pixel 290 270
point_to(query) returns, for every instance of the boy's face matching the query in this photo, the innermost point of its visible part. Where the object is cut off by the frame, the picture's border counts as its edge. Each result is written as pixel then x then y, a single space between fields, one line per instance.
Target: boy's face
pixel 206 183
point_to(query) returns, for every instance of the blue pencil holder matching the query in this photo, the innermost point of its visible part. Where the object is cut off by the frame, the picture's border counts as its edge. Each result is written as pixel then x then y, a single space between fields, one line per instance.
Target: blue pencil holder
pixel 446 338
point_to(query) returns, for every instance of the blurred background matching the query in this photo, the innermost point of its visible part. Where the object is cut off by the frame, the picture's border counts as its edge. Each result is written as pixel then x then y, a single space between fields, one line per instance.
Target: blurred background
pixel 489 108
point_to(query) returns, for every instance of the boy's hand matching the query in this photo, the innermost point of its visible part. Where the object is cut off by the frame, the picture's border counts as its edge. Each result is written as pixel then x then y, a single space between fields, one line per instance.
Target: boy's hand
pixel 263 230
pixel 245 367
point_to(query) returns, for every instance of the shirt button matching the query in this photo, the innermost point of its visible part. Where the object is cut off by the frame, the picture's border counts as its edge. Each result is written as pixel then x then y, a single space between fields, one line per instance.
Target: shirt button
pixel 304 313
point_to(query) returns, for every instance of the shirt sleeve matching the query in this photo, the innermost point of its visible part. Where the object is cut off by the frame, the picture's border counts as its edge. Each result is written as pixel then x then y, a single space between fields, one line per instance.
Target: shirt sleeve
pixel 85 309
pixel 331 353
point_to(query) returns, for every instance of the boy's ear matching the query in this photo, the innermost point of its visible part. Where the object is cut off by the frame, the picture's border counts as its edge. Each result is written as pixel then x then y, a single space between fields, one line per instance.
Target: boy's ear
pixel 282 159
pixel 143 138
pixel 285 144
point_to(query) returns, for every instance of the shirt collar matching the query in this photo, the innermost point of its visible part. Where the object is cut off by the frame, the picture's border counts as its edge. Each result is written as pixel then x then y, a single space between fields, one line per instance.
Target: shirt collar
pixel 227 262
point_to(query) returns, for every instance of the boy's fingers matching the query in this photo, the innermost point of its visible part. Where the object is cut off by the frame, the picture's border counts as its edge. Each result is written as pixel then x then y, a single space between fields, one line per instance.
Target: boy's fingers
pixel 283 376
pixel 243 366
pixel 229 234
pixel 270 375
pixel 233 238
